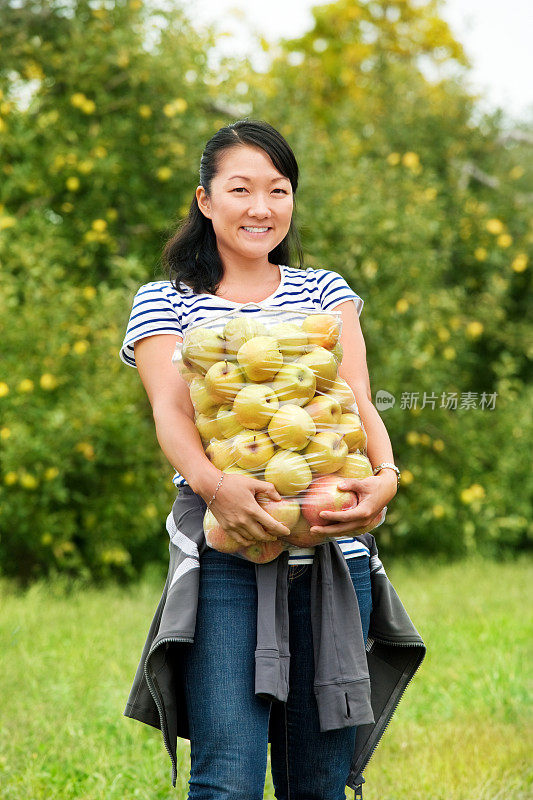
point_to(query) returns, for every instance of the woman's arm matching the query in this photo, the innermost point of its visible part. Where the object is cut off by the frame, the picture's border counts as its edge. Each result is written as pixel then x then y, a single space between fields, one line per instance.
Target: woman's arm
pixel 173 412
pixel 376 491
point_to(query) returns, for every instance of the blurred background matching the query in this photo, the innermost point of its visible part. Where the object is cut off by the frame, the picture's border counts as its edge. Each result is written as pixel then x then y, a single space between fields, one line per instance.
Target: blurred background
pixel 412 123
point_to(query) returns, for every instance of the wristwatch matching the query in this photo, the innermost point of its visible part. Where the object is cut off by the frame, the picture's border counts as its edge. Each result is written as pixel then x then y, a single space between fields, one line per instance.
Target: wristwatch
pixel 390 466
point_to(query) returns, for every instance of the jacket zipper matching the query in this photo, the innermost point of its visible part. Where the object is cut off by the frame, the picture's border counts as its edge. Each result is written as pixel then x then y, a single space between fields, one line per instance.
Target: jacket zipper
pixel 155 695
pixel 394 644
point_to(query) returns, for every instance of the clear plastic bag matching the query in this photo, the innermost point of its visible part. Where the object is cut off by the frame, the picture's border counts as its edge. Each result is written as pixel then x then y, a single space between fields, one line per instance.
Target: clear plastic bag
pixel 269 402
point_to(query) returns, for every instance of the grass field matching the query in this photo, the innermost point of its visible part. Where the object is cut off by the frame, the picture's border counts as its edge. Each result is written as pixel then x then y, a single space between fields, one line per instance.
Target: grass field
pixel 463 730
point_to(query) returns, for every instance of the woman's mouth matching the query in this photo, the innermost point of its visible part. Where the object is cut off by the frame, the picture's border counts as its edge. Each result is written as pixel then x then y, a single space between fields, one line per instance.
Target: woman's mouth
pixel 256 231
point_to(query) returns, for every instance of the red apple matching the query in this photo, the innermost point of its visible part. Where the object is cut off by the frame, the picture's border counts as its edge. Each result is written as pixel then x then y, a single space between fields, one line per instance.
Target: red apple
pixel 323 494
pixel 216 537
pixel 262 552
pixel 301 535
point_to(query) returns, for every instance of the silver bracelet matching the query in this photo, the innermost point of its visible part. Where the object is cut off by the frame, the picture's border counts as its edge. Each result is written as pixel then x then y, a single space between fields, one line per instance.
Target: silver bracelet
pixel 216 490
pixel 390 466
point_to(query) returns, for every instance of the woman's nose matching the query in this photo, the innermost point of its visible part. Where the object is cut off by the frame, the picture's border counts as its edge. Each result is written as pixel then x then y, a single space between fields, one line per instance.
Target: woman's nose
pixel 260 207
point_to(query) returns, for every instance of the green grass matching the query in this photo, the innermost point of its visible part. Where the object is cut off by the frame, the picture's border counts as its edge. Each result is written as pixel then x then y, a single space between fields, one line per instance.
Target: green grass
pixel 462 731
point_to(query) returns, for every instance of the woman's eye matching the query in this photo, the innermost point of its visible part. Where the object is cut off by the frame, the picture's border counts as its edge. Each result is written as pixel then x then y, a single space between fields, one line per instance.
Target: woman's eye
pixel 239 188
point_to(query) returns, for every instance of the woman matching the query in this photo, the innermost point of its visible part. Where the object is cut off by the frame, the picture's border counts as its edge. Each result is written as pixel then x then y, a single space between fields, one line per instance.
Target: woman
pixel 234 249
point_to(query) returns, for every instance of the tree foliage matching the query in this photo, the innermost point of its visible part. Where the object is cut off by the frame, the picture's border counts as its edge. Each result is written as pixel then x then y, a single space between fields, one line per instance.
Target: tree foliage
pixel 421 202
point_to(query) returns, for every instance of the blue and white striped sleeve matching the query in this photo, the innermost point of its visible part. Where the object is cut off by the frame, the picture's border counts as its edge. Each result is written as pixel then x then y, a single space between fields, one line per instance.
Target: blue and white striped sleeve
pixel 152 313
pixel 333 290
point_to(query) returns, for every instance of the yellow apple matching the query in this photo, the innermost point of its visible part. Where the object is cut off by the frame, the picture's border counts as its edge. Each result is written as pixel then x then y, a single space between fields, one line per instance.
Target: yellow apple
pixel 254 405
pixel 187 374
pixel 235 470
pixel 294 383
pixel 325 411
pixel 221 453
pixel 324 365
pixel 356 465
pixel 207 427
pixel 292 340
pixel 252 449
pixel 326 453
pixel 202 347
pixel 289 472
pixel 322 329
pixel 286 510
pixel 352 432
pixel 228 424
pixel 338 351
pixel 239 330
pixel 291 427
pixel 202 400
pixel 260 358
pixel 342 392
pixel 224 379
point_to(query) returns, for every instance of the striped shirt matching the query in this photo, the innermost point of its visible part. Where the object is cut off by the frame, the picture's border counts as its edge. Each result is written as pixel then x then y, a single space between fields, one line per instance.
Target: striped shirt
pixel 159 309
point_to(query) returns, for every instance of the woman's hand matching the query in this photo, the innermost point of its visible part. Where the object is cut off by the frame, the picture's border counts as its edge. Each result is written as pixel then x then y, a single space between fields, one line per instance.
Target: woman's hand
pixel 239 513
pixel 374 493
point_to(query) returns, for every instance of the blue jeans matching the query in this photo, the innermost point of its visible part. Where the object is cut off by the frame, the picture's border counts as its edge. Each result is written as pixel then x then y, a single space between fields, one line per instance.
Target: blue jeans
pixel 228 723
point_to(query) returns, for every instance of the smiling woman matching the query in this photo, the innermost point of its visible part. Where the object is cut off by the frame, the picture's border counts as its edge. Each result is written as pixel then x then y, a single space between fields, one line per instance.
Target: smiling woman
pixel 248 183
pixel 223 630
pixel 250 213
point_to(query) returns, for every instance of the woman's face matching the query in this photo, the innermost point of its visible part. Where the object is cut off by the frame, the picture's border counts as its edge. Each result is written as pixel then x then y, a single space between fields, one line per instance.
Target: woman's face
pixel 247 191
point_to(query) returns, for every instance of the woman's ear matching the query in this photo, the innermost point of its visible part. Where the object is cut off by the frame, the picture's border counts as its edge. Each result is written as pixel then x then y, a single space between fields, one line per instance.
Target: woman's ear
pixel 203 201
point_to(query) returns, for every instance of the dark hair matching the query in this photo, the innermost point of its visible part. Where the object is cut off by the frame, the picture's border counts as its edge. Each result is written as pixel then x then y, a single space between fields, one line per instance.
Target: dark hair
pixel 191 255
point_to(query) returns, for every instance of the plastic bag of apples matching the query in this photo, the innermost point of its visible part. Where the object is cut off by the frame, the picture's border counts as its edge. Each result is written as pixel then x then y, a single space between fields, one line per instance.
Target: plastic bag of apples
pixel 269 402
